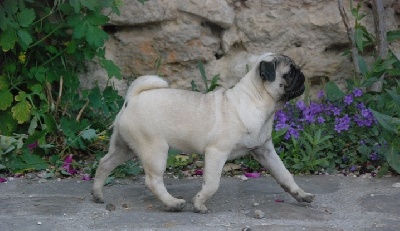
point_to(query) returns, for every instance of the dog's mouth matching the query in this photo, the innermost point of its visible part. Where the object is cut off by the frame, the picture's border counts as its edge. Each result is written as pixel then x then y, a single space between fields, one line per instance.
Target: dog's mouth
pixel 295 84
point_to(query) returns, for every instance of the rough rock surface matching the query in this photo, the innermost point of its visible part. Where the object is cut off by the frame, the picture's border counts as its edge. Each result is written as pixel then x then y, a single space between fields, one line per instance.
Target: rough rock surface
pixel 227 36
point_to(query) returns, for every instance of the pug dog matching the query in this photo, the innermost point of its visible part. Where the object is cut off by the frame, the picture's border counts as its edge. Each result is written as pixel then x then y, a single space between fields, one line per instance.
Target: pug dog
pixel 222 125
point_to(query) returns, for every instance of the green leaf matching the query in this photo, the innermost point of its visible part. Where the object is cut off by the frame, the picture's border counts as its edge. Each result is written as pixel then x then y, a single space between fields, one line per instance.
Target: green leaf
pixel 26 17
pixel 25 38
pixel 214 82
pixel 4 21
pixel 3 82
pixel 388 122
pixel 364 150
pixel 359 38
pixel 10 6
pixel 95 98
pixel 395 96
pixel 111 68
pixel 90 4
pixel 8 124
pixel 49 123
pixel 76 4
pixel 362 65
pixel 194 86
pixel 22 111
pixel 21 96
pixel 33 125
pixel 71 47
pixel 33 161
pixel 8 39
pixel 333 92
pixel 96 19
pixel 89 134
pixel 39 73
pixel 393 35
pixel 96 36
pixel 383 170
pixel 203 74
pixel 6 99
pixel 393 158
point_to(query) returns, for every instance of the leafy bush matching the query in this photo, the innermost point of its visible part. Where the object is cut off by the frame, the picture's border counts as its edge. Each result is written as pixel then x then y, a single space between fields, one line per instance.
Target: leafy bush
pixel 353 131
pixel 336 132
pixel 44 114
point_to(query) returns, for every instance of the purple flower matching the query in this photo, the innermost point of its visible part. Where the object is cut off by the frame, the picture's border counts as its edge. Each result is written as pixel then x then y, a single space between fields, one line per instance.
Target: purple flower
pixel 3 180
pixel 360 106
pixel 374 156
pixel 357 92
pixel 292 132
pixel 336 111
pixel 352 168
pixel 281 117
pixel 301 105
pixel 348 99
pixel 342 124
pixel 366 118
pixel 366 113
pixel 345 159
pixel 320 94
pixel 320 120
pixel 279 126
pixel 316 108
pixel 309 117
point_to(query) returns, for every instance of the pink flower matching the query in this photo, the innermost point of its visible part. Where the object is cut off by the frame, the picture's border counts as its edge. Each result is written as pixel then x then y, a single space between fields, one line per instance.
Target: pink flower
pixel 67 166
pixel 252 174
pixel 86 177
pixel 33 145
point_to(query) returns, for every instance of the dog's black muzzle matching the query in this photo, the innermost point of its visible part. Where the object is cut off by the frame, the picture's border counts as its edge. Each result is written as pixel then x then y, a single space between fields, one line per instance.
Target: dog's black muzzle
pixel 294 83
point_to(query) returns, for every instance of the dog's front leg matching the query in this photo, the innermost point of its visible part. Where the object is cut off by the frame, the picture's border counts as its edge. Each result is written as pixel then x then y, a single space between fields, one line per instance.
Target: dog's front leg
pixel 214 162
pixel 268 157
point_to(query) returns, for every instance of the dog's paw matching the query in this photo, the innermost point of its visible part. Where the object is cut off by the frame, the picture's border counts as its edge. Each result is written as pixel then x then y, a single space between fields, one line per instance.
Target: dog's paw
pixel 305 197
pixel 201 209
pixel 178 205
pixel 97 197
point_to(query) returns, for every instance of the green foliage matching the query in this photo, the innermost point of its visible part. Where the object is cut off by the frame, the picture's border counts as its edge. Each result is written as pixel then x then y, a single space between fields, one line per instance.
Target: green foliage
pixel 384 105
pixel 333 93
pixel 44 45
pixel 213 82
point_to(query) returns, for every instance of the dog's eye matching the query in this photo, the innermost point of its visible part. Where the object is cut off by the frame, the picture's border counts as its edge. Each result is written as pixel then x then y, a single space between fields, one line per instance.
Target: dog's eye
pixel 280 85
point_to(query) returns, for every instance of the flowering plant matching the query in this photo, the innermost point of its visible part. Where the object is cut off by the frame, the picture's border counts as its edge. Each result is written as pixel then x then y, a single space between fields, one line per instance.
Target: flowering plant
pixel 337 131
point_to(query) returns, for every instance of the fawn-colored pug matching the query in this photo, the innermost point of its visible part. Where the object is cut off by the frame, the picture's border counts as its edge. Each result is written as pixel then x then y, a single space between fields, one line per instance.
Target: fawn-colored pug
pixel 224 124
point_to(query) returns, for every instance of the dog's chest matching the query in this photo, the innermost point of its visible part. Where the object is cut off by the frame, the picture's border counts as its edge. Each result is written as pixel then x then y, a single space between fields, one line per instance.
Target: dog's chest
pixel 255 136
pixel 249 142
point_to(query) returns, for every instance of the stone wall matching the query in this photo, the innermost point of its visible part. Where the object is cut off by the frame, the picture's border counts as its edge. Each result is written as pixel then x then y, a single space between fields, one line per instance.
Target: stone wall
pixel 227 36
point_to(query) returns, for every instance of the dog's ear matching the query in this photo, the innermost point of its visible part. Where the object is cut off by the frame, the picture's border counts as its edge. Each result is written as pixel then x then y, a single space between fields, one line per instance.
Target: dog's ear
pixel 267 70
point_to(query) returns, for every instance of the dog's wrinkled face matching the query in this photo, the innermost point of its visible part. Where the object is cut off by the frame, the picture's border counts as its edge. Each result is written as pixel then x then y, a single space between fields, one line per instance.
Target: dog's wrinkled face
pixel 283 72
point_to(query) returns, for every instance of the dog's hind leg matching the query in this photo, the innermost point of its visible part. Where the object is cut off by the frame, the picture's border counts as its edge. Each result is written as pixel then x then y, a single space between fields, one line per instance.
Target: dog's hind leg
pixel 268 157
pixel 154 160
pixel 118 153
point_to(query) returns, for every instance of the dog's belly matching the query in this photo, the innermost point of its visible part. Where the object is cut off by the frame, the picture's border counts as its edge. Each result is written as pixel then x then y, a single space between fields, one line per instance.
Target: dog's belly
pixel 239 153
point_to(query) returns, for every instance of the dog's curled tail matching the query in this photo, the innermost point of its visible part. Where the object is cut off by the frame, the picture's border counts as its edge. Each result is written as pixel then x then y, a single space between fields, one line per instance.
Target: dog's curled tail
pixel 144 83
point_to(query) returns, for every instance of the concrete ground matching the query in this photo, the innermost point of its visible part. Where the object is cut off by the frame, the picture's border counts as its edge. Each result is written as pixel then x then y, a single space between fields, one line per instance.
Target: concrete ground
pixel 342 203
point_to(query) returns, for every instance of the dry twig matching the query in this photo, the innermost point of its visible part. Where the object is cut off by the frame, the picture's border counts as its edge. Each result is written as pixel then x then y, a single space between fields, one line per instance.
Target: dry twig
pixel 350 35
